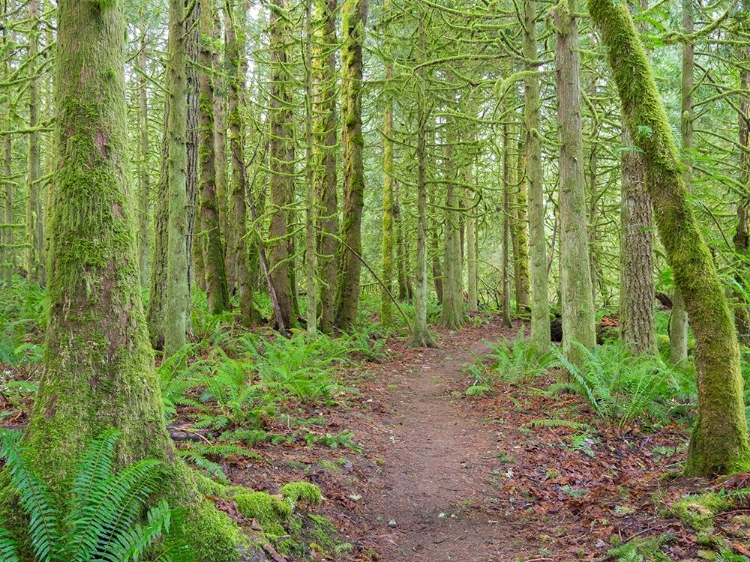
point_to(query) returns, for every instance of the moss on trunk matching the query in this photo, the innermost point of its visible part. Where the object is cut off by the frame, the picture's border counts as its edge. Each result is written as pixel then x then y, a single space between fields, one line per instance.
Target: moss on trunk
pixel 719 443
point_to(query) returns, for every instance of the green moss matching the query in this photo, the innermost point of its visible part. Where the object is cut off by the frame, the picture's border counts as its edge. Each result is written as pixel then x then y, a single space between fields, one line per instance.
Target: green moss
pixel 699 511
pixel 303 492
pixel 270 511
pixel 212 535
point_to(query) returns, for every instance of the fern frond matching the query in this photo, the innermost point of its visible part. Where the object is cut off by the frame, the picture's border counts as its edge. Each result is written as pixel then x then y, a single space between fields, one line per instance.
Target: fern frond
pixel 211 468
pixel 560 423
pixel 8 546
pixel 579 378
pixel 34 497
pixel 133 542
pixel 112 507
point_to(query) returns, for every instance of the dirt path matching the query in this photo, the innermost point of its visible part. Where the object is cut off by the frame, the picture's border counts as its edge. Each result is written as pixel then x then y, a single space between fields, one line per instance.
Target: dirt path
pixel 433 500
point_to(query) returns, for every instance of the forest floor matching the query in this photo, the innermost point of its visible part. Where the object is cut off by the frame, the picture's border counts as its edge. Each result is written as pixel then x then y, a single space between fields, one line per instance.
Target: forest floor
pixel 517 475
pixel 514 473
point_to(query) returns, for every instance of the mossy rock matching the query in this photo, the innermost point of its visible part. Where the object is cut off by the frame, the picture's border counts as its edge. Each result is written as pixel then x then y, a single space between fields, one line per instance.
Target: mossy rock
pixel 270 511
pixel 302 492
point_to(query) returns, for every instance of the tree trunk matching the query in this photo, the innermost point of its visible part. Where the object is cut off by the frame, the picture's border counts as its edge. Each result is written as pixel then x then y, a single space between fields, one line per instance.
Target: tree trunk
pixel 324 153
pixel 176 321
pixel 402 270
pixel 220 143
pixel 282 159
pixel 719 443
pixel 578 315
pixel 386 313
pixel 354 17
pixel 210 238
pixel 310 212
pixel 742 233
pixel 34 217
pixel 472 258
pixel 636 255
pixel 235 49
pixel 678 335
pixel 452 312
pixel 519 234
pixel 192 51
pixel 540 323
pixel 98 367
pixel 505 273
pixel 144 193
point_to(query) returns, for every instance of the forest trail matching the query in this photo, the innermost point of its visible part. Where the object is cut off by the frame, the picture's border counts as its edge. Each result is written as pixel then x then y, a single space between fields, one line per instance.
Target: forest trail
pixel 433 500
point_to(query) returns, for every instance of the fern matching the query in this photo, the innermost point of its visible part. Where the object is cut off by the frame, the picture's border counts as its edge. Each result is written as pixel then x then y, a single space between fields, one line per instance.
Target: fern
pixel 8 546
pixel 102 513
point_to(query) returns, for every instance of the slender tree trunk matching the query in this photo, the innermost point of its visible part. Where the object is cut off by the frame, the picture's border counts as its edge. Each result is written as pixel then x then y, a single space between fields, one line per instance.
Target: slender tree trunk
pixel 719 442
pixel 220 142
pixel 235 49
pixel 176 321
pixel 519 233
pixel 325 133
pixel 507 321
pixel 144 193
pixel 310 211
pixel 192 51
pixel 402 275
pixel 282 159
pixel 578 315
pixel 452 313
pixel 354 18
pixel 210 238
pixel 7 242
pixel 472 258
pixel 98 370
pixel 34 217
pixel 422 336
pixel 678 335
pixel 386 314
pixel 540 322
pixel 437 268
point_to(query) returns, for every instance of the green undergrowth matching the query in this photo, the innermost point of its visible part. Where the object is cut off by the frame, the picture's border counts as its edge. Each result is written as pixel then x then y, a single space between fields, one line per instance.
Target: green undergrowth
pixel 618 385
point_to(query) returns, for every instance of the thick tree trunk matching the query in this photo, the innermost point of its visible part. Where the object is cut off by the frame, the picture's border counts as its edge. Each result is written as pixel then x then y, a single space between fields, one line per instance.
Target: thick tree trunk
pixel 210 238
pixel 540 322
pixel 636 255
pixel 578 315
pixel 519 234
pixel 98 366
pixel 324 153
pixel 719 442
pixel 282 159
pixel 354 17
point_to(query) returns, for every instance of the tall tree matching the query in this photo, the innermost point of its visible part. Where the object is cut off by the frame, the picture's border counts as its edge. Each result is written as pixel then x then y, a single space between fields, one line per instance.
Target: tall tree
pixel 678 335
pixel 144 187
pixel 578 315
pixel 98 370
pixel 636 252
pixel 210 238
pixel 34 211
pixel 386 313
pixel 282 158
pixel 353 19
pixel 176 320
pixel 325 135
pixel 540 321
pixel 719 442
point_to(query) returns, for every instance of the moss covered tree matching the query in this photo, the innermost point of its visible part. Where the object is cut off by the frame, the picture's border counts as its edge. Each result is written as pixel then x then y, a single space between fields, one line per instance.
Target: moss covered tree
pixel 98 365
pixel 719 442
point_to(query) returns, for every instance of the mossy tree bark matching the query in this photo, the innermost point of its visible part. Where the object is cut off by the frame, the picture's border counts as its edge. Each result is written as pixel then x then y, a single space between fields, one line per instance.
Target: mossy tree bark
pixel 719 442
pixel 98 370
pixel 452 312
pixel 281 163
pixel 176 320
pixel 519 234
pixel 324 153
pixel 386 307
pixel 742 232
pixel 578 315
pixel 7 241
pixel 210 238
pixel 678 334
pixel 220 135
pixel 405 291
pixel 311 218
pixel 472 258
pixel 235 48
pixel 540 322
pixel 353 20
pixel 144 187
pixel 34 210
pixel 505 269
